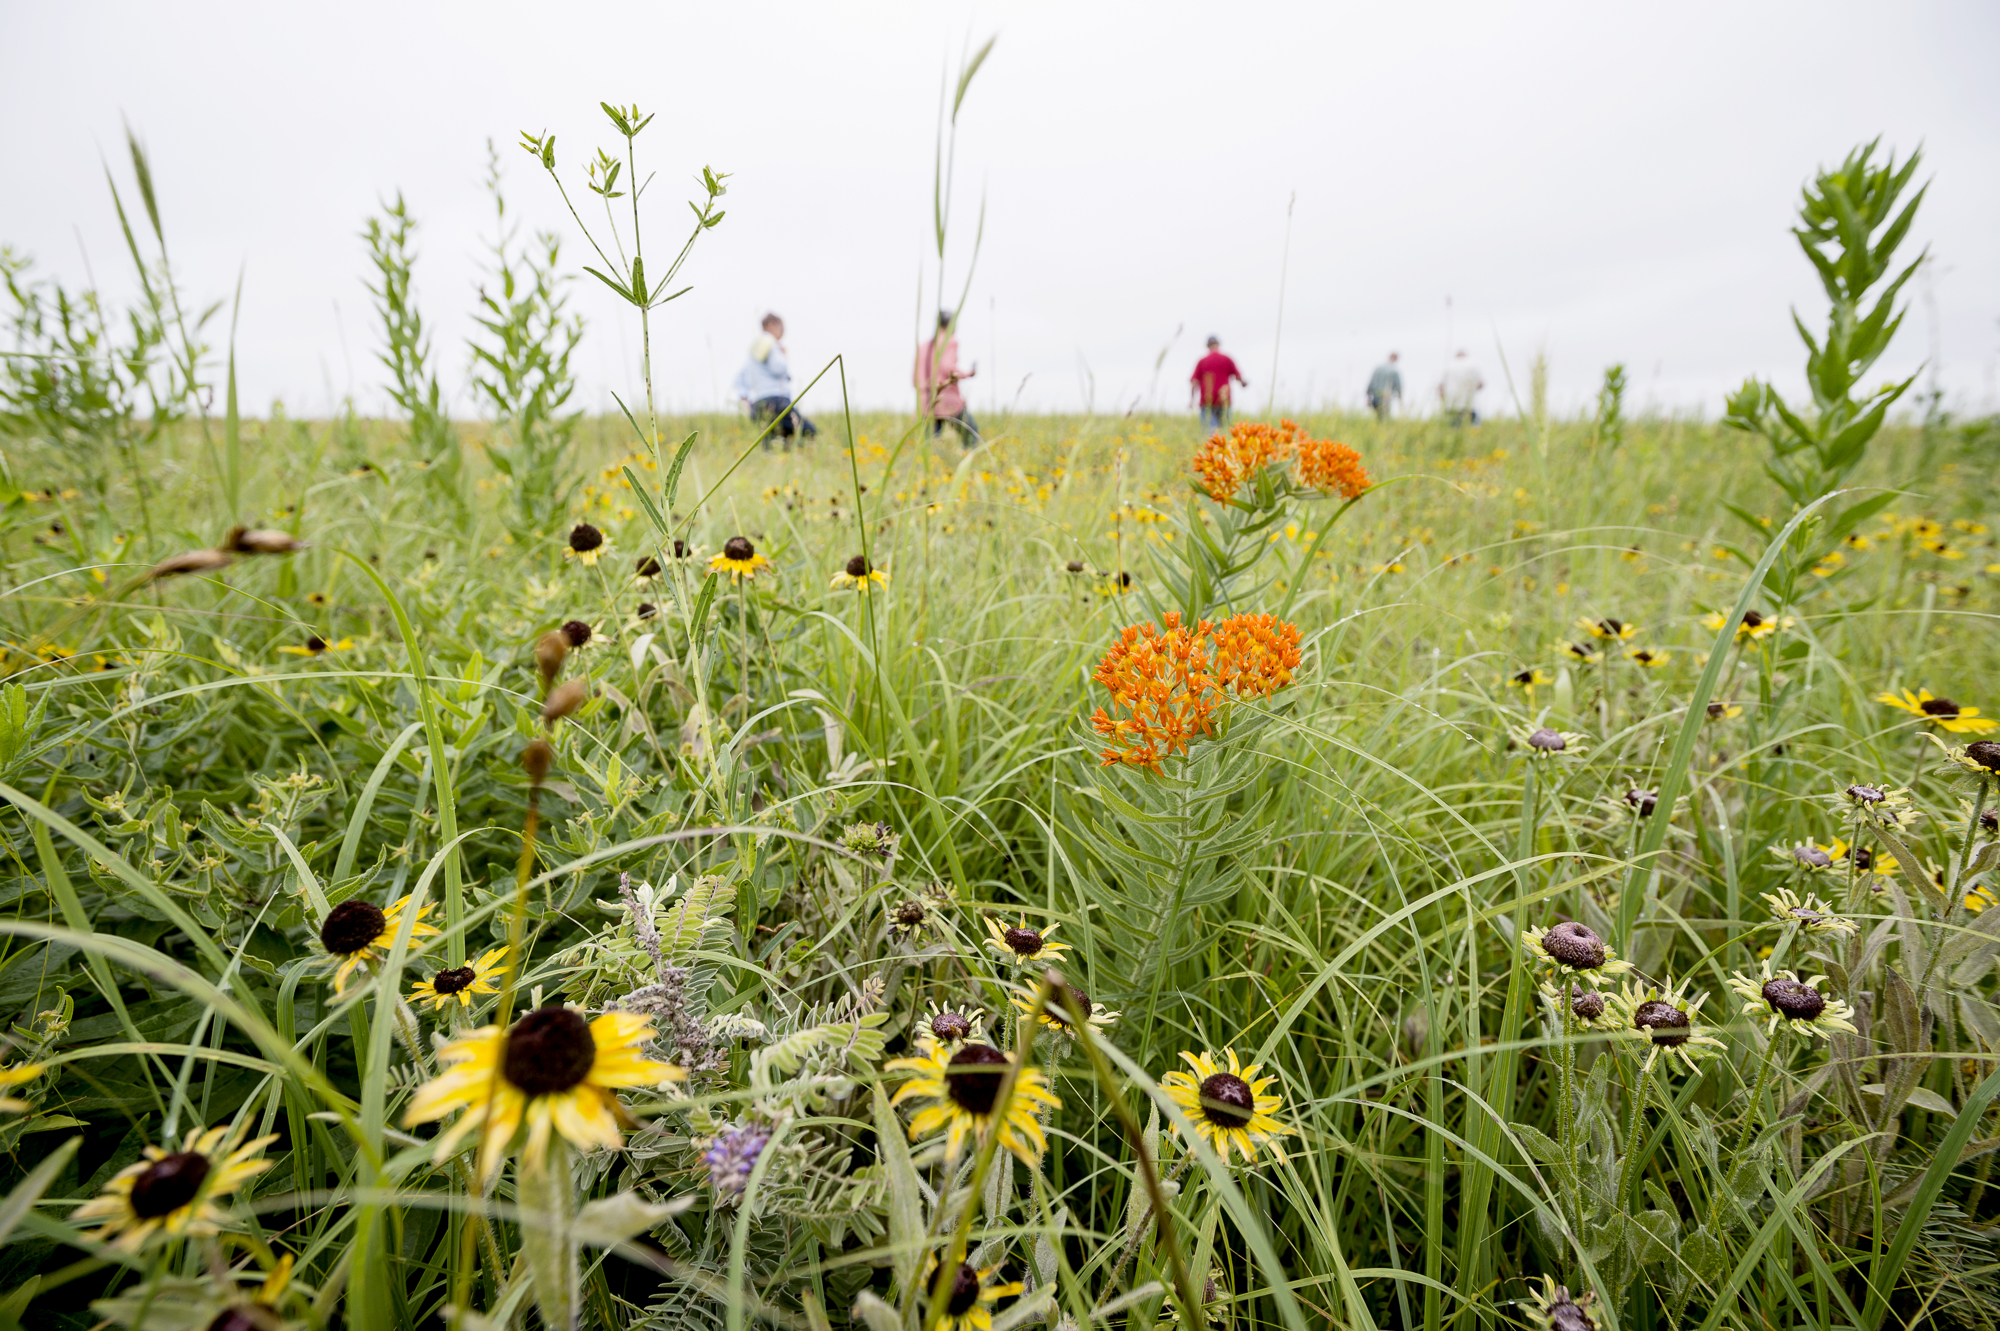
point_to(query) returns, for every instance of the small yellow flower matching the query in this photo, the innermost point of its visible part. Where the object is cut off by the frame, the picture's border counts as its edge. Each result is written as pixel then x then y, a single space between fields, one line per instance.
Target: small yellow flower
pixel 1070 1008
pixel 1227 1107
pixel 858 574
pixel 20 1076
pixel 318 646
pixel 739 559
pixel 1578 651
pixel 968 1304
pixel 1724 711
pixel 1754 625
pixel 1529 679
pixel 1611 630
pixel 462 983
pixel 963 1088
pixel 174 1192
pixel 1649 657
pixel 1022 944
pixel 586 544
pixel 357 932
pixel 316 600
pixel 1941 712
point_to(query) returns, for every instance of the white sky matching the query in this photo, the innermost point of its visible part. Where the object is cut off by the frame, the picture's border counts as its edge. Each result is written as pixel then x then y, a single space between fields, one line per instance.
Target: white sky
pixel 1602 182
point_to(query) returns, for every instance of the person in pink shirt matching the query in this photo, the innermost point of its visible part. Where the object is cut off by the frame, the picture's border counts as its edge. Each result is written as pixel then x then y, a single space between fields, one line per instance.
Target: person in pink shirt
pixel 1210 380
pixel 937 377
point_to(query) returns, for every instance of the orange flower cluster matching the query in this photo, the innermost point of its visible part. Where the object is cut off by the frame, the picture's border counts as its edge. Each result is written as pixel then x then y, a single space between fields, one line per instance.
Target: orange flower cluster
pixel 1171 682
pixel 1226 461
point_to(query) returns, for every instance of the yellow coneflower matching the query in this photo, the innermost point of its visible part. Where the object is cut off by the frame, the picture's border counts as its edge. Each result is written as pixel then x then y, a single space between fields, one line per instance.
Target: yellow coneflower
pixel 968 1304
pixel 1573 948
pixel 1981 758
pixel 963 1088
pixel 1065 1012
pixel 1227 1107
pixel 317 600
pixel 1810 913
pixel 318 646
pixel 586 544
pixel 1724 711
pixel 1022 944
pixel 1669 1019
pixel 357 932
pixel 1941 712
pixel 1610 630
pixel 174 1192
pixel 1649 657
pixel 1577 651
pixel 1781 998
pixel 739 559
pixel 952 1026
pixel 20 1076
pixel 1753 625
pixel 551 1071
pixel 858 574
pixel 462 983
pixel 1530 679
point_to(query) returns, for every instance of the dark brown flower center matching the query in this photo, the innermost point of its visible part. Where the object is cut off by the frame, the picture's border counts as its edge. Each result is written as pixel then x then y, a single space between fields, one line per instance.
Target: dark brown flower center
pixel 1864 859
pixel 1548 741
pixel 1227 1100
pixel 1565 1314
pixel 910 914
pixel 1611 627
pixel 1812 857
pixel 584 538
pixel 1939 707
pixel 648 567
pixel 1793 999
pixel 1074 566
pixel 1586 1004
pixel 453 980
pixel 972 1078
pixel 857 567
pixel 964 1291
pixel 647 610
pixel 168 1184
pixel 738 548
pixel 1643 800
pixel 1577 946
pixel 576 633
pixel 681 550
pixel 1985 753
pixel 315 644
pixel 548 1051
pixel 1069 1005
pixel 950 1026
pixel 351 926
pixel 1579 650
pixel 1867 794
pixel 1668 1024
pixel 1025 942
pixel 1525 677
pixel 1990 820
pixel 1751 619
pixel 1717 710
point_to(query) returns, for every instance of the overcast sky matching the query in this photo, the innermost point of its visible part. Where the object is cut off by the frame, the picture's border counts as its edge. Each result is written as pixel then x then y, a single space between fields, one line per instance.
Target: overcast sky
pixel 1603 183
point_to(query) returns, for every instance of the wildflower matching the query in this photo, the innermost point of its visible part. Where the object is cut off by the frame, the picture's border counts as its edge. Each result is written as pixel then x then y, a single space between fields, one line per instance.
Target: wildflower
pixel 1724 711
pixel 870 839
pixel 1255 655
pixel 1588 1008
pixel 189 561
pixel 1669 1020
pixel 732 1154
pixel 1989 819
pixel 968 1305
pixel 575 633
pixel 963 1088
pixel 646 610
pixel 1068 1009
pixel 908 917
pixel 174 1192
pixel 1941 712
pixel 859 573
pixel 954 1026
pixel 317 600
pixel 1814 915
pixel 19 1076
pixel 318 646
pixel 1650 658
pixel 1752 626
pixel 1331 467
pixel 551 649
pixel 551 1070
pixel 1641 802
pixel 739 559
pixel 1227 1108
pixel 1530 679
pixel 1021 944
pixel 1542 742
pixel 1870 861
pixel 1981 758
pixel 1227 461
pixel 1577 651
pixel 647 567
pixel 1551 1308
pixel 1829 564
pixel 462 982
pixel 1573 948
pixel 358 931
pixel 1073 566
pixel 1783 999
pixel 1882 805
pixel 1611 630
pixel 586 544
pixel 1856 541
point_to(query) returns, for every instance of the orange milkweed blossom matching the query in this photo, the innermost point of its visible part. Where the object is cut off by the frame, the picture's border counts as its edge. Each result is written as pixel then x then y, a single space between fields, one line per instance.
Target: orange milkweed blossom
pixel 1170 683
pixel 1226 461
pixel 1334 468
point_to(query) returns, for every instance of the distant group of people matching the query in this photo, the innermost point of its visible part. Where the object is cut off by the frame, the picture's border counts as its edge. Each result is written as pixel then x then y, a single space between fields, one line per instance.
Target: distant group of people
pixel 764 385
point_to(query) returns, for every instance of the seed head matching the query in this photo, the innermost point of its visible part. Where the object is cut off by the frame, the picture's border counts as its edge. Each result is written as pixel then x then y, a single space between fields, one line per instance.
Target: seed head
pixel 453 980
pixel 1794 999
pixel 1985 753
pixel 1644 801
pixel 564 699
pixel 857 567
pixel 550 650
pixel 950 1026
pixel 575 632
pixel 1024 942
pixel 1074 566
pixel 964 1291
pixel 536 760
pixel 1574 945
pixel 1866 794
pixel 1812 857
pixel 647 567
pixel 647 610
pixel 1585 1004
pixel 351 926
pixel 1939 707
pixel 1548 741
pixel 547 1051
pixel 1667 1023
pixel 1227 1100
pixel 739 549
pixel 972 1077
pixel 583 538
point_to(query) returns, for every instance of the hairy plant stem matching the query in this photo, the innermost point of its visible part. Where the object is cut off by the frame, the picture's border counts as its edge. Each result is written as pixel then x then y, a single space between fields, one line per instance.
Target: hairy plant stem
pixel 1637 1120
pixel 1139 1228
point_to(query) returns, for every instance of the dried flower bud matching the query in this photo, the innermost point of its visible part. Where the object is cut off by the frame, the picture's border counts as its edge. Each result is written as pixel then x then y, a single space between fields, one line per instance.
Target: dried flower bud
pixel 536 760
pixel 190 561
pixel 564 699
pixel 550 650
pixel 1985 753
pixel 260 541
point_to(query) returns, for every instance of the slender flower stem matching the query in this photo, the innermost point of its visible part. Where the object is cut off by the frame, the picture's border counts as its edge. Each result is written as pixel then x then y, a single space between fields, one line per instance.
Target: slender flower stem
pixel 1743 1138
pixel 1638 1119
pixel 1566 1111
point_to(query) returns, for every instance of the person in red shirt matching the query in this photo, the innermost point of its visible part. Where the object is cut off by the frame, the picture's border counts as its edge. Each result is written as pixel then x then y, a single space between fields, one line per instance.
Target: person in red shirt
pixel 1210 382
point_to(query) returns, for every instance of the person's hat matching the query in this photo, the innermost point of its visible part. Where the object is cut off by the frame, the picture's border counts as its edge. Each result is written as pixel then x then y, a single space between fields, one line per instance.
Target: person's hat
pixel 1214 341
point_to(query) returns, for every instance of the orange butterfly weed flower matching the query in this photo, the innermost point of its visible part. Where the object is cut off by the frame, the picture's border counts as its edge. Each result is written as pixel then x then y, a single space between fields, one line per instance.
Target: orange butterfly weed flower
pixel 1226 461
pixel 1334 468
pixel 1166 684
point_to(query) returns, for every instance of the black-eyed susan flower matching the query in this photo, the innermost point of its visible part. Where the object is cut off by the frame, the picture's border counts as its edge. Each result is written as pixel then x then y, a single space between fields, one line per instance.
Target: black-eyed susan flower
pixel 1782 999
pixel 1724 711
pixel 17 1076
pixel 586 544
pixel 1989 818
pixel 1530 679
pixel 357 932
pixel 968 1304
pixel 1610 630
pixel 1668 1019
pixel 314 645
pixel 739 559
pixel 648 567
pixel 963 1089
pixel 1652 658
pixel 1941 712
pixel 1022 944
pixel 1883 805
pixel 859 573
pixel 1640 802
pixel 575 633
pixel 1981 758
pixel 1551 1308
pixel 1066 1009
pixel 1589 1009
pixel 1754 625
pixel 462 983
pixel 174 1192
pixel 1573 948
pixel 1583 652
pixel 1544 742
pixel 952 1025
pixel 1809 856
pixel 317 600
pixel 551 1071
pixel 1809 913
pixel 1869 860
pixel 1227 1107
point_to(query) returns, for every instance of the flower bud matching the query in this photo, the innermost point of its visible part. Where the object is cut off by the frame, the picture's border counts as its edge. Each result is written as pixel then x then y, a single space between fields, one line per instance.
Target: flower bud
pixel 550 650
pixel 564 699
pixel 536 760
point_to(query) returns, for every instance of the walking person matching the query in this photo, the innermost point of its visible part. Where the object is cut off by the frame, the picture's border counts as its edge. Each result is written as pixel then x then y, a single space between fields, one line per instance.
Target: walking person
pixel 1459 391
pixel 1385 387
pixel 1210 382
pixel 764 384
pixel 937 378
